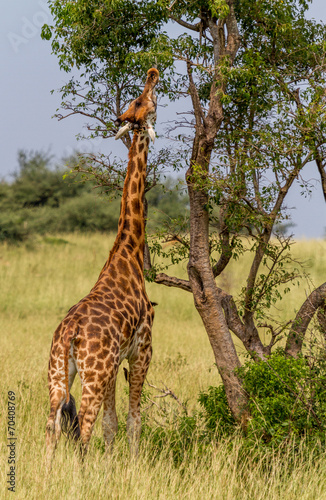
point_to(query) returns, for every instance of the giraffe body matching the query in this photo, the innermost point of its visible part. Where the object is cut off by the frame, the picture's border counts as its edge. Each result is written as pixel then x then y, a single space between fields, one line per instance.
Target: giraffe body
pixel 114 321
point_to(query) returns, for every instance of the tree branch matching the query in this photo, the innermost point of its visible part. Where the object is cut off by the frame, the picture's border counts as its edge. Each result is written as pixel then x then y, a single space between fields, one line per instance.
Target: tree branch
pixel 322 172
pixel 193 27
pixel 251 342
pixel 226 247
pixel 164 279
pixel 321 316
pixel 199 115
pixel 301 322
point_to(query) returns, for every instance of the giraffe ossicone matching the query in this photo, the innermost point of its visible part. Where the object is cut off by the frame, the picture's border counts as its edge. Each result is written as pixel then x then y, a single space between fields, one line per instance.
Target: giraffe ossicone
pixel 123 131
pixel 114 321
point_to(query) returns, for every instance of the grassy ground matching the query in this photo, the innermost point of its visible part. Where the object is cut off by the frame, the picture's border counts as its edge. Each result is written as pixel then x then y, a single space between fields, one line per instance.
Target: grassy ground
pixel 38 285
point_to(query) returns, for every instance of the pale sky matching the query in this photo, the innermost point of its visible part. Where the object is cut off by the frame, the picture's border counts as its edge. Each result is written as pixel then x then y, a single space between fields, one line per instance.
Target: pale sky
pixel 30 72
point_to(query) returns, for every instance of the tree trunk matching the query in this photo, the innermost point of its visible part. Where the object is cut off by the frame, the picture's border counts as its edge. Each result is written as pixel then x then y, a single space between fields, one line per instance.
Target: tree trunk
pixel 210 309
pixel 208 301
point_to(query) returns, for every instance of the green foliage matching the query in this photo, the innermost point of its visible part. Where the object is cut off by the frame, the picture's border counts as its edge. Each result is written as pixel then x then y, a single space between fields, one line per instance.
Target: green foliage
pixel 279 271
pixel 286 401
pixel 219 8
pixel 82 213
pixel 217 415
pixel 37 184
pixel 12 226
pixel 104 31
pixel 286 398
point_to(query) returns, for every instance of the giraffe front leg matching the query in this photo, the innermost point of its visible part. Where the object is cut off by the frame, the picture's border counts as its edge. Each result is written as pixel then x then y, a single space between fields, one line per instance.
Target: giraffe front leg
pixel 138 371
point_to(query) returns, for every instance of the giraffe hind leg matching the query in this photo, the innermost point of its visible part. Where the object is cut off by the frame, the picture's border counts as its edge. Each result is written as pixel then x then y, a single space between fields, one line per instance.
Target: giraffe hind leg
pixel 53 427
pixel 69 420
pixel 61 414
pixel 89 409
pixel 138 370
pixel 110 420
pixel 93 395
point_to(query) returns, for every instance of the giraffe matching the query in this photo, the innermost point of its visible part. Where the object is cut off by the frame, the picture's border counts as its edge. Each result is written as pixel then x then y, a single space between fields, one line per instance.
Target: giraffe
pixel 114 321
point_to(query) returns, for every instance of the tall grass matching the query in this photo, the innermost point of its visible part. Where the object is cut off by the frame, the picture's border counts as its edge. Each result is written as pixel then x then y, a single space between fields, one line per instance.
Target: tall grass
pixel 39 283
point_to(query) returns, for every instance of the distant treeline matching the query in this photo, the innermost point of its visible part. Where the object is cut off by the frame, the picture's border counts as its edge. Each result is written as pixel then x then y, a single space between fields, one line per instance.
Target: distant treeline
pixel 42 200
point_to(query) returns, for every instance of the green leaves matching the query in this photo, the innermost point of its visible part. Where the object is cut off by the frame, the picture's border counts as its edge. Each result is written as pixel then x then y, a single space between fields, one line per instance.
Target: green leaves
pixel 46 32
pixel 219 8
pixel 88 31
pixel 271 284
pixel 286 401
pixel 284 397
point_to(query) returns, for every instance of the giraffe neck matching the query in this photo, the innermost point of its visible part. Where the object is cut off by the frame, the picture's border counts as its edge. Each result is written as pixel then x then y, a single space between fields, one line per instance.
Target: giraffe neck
pixel 131 228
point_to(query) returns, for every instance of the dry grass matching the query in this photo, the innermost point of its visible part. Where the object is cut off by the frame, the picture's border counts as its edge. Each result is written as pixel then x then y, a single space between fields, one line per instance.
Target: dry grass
pixel 39 284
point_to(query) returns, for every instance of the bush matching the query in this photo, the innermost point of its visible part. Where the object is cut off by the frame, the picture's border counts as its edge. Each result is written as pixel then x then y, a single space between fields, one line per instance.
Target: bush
pixel 217 414
pixel 84 213
pixel 286 399
pixel 13 227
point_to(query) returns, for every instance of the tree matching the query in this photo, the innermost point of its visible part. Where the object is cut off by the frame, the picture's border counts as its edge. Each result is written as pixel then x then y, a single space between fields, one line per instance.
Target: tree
pixel 255 75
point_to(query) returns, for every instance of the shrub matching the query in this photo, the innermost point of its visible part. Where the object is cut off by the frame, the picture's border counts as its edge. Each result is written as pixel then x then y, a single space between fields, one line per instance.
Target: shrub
pixel 286 400
pixel 83 213
pixel 12 227
pixel 216 414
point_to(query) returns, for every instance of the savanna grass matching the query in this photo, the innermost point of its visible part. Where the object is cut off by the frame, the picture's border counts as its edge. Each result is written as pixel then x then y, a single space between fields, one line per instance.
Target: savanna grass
pixel 40 281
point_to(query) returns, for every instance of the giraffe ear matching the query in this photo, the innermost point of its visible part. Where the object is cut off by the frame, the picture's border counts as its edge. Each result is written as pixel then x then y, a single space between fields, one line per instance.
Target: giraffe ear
pixel 123 130
pixel 151 132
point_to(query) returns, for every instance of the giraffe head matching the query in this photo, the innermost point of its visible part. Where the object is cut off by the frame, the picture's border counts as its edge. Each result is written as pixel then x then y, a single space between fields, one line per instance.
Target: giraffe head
pixel 141 113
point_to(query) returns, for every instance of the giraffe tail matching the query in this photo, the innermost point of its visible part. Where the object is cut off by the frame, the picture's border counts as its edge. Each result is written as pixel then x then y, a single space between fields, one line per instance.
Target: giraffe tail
pixel 69 418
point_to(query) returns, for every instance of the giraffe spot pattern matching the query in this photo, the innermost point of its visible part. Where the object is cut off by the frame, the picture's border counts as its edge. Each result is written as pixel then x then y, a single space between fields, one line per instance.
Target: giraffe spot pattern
pixel 136 209
pixel 134 187
pixel 140 165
